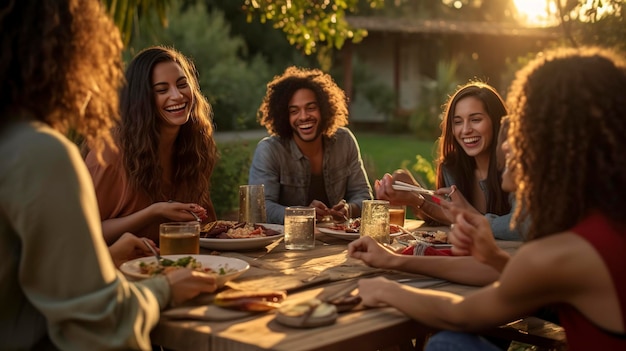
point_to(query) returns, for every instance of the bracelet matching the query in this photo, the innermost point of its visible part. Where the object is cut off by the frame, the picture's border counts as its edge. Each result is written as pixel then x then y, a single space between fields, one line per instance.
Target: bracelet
pixel 349 210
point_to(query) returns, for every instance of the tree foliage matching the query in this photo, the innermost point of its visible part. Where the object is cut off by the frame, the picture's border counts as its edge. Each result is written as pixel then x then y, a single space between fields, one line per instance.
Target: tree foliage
pixel 233 82
pixel 126 14
pixel 309 24
pixel 592 22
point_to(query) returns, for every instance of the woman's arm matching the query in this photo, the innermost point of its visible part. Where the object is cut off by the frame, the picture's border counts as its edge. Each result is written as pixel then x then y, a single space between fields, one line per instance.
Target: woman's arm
pixel 536 276
pixel 461 269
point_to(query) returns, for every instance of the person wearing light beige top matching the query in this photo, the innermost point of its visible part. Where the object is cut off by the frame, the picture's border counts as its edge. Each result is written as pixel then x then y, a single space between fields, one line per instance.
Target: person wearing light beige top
pixel 59 287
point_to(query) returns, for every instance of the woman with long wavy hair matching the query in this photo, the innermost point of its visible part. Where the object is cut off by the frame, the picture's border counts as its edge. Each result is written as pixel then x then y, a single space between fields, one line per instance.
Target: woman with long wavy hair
pixel 466 162
pixel 165 149
pixel 565 145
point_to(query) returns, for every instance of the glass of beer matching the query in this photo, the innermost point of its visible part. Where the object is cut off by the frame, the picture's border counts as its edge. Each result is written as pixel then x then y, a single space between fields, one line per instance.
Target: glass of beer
pixel 375 220
pixel 397 214
pixel 179 238
pixel 299 228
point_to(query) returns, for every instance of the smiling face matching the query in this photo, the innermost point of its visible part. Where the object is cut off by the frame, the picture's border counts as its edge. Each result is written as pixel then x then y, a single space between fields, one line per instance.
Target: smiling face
pixel 304 115
pixel 472 128
pixel 172 93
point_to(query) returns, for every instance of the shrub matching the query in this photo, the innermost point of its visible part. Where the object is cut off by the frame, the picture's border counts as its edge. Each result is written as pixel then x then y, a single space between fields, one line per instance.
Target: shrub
pixel 230 171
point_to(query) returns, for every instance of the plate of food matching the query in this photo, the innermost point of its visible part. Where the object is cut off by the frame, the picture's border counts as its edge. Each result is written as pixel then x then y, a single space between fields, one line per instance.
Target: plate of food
pixel 239 236
pixel 225 268
pixel 350 230
pixel 436 238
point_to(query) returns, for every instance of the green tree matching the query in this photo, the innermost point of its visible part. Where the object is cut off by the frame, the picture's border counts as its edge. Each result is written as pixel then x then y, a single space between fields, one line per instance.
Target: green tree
pixel 595 22
pixel 233 82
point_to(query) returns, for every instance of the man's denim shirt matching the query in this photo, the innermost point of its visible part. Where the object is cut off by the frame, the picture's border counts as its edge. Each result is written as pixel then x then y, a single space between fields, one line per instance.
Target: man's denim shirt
pixel 286 173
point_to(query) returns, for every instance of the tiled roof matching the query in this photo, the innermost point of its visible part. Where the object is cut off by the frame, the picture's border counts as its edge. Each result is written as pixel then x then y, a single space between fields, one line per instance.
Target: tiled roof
pixel 419 26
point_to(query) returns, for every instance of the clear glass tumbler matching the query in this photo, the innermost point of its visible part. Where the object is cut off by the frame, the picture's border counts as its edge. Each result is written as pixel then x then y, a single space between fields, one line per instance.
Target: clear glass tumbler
pixel 397 214
pixel 299 228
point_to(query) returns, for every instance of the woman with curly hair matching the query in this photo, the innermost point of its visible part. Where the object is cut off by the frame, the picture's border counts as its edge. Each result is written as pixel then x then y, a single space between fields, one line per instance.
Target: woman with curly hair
pixel 60 71
pixel 467 161
pixel 310 158
pixel 161 168
pixel 566 144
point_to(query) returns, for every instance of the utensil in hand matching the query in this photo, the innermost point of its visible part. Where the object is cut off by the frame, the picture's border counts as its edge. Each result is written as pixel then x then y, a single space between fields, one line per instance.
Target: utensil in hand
pixel 154 252
pixel 195 216
pixel 402 186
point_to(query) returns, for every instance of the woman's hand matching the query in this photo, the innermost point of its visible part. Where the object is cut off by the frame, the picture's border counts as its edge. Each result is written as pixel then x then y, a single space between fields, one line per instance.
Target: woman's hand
pixel 456 202
pixel 369 290
pixel 128 247
pixel 179 211
pixel 371 252
pixel 186 284
pixel 384 191
pixel 471 235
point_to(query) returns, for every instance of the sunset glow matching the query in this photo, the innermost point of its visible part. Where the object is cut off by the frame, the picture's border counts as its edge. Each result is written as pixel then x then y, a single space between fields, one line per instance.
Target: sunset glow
pixel 536 12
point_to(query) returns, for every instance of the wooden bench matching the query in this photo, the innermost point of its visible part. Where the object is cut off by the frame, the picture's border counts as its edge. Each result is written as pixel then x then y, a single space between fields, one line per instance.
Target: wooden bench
pixel 546 336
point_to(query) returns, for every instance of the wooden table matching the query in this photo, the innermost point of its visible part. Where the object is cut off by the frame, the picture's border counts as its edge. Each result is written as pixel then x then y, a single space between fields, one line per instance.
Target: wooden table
pixel 304 274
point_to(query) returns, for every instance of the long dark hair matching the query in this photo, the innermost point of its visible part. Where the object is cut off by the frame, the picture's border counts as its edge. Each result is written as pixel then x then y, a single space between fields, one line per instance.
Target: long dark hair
pixel 462 166
pixel 195 151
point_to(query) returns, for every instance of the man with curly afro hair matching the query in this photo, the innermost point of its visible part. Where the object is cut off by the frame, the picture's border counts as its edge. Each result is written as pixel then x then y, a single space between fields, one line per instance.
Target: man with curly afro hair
pixel 310 158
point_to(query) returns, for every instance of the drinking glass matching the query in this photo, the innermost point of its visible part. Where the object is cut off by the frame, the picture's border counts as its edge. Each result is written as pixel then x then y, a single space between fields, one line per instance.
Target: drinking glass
pixel 299 228
pixel 397 214
pixel 179 238
pixel 252 203
pixel 375 220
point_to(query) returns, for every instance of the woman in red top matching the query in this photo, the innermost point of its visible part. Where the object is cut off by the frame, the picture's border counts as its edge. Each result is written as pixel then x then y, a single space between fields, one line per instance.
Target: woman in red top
pixel 166 152
pixel 566 149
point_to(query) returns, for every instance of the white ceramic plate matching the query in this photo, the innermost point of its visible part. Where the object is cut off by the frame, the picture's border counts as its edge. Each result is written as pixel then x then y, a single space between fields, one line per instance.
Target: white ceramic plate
pixel 243 243
pixel 131 268
pixel 347 236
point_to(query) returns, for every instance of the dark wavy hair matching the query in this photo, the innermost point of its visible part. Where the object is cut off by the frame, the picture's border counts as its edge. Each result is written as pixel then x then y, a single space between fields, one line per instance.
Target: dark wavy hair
pixel 195 152
pixel 61 64
pixel 568 128
pixel 331 99
pixel 455 159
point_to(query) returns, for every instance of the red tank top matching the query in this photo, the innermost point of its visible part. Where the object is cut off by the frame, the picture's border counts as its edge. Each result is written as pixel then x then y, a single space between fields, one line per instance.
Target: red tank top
pixel 581 333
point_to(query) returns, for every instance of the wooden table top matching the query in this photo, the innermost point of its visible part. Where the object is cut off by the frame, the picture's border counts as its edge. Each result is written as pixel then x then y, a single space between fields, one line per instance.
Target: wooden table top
pixel 304 275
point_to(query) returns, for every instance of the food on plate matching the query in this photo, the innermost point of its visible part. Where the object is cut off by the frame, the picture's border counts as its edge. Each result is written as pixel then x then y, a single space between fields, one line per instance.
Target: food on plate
pixel 307 314
pixel 253 301
pixel 433 237
pixel 345 303
pixel 166 265
pixel 353 226
pixel 235 230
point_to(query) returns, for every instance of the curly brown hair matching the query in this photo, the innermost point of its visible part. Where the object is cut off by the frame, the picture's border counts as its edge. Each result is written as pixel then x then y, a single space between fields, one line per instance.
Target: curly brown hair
pixel 331 99
pixel 455 159
pixel 195 151
pixel 568 122
pixel 61 64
